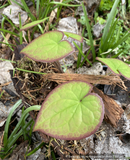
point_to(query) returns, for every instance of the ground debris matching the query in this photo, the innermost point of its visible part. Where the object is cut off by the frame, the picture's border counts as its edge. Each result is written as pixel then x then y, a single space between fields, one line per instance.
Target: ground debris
pixel 96 69
pixel 30 86
pixel 118 93
pixel 14 14
pixel 97 29
pixel 98 79
pixel 105 144
pixel 113 111
pixel 4 72
pixel 28 2
pixel 19 152
pixel 69 24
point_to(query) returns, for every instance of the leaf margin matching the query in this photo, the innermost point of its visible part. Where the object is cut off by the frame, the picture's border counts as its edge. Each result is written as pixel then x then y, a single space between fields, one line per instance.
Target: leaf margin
pixel 84 135
pixel 120 74
pixel 49 61
pixel 38 22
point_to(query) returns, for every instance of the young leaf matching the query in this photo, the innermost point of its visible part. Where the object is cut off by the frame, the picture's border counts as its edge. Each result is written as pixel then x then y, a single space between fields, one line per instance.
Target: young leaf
pixel 74 36
pixel 32 24
pixel 48 47
pixel 70 112
pixel 116 66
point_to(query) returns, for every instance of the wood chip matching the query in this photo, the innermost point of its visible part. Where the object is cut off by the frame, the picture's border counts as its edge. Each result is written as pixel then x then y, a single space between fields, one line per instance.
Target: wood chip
pixel 113 111
pixel 98 79
pixel 5 84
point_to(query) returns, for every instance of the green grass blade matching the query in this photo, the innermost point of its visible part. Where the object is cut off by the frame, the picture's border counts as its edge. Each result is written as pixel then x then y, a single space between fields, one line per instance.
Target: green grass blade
pixel 48 10
pixel 33 18
pixel 64 4
pixel 79 55
pixel 18 4
pixel 116 55
pixel 36 149
pixel 7 31
pixel 53 155
pixel 82 53
pixel 56 6
pixel 22 125
pixel 112 29
pixel 36 107
pixel 124 38
pixel 89 32
pixel 124 10
pixel 109 21
pixel 45 11
pixel 9 2
pixel 85 57
pixel 2 24
pixel 68 1
pixel 107 42
pixel 58 12
pixel 3 6
pixel 7 42
pixel 40 27
pixel 118 33
pixel 12 24
pixel 31 129
pixel 29 71
pixel 4 155
pixel 128 62
pixel 1 94
pixel 17 135
pixel 7 60
pixel 20 26
pixel 37 8
pixel 33 1
pixel 33 31
pixel 8 121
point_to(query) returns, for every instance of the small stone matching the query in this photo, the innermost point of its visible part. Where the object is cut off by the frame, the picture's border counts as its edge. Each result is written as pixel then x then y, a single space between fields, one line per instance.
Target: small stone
pixel 96 69
pixel 97 29
pixel 13 12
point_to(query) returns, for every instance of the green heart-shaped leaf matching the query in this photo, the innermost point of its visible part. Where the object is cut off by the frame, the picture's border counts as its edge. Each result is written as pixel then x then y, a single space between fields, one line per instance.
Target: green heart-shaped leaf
pixel 70 112
pixel 48 47
pixel 74 36
pixel 32 24
pixel 117 66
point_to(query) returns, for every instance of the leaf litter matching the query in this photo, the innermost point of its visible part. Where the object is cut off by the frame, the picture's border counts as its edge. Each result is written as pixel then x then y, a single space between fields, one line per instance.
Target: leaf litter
pixel 36 66
pixel 26 86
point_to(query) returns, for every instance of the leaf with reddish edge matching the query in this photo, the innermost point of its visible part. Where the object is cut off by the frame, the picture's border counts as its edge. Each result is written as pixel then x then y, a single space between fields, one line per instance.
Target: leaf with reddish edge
pixel 70 112
pixel 48 47
pixel 74 36
pixel 32 24
pixel 116 66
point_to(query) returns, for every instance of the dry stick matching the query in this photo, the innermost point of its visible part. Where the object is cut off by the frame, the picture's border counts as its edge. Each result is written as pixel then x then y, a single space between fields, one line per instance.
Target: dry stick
pixel 23 34
pixel 113 111
pixel 98 79
pixel 29 36
pixel 5 84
